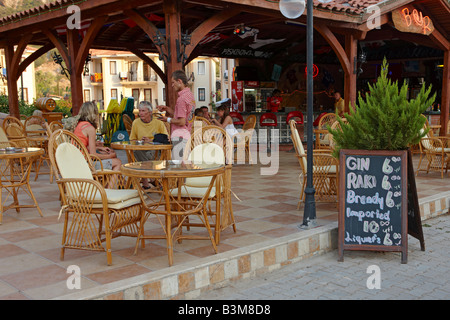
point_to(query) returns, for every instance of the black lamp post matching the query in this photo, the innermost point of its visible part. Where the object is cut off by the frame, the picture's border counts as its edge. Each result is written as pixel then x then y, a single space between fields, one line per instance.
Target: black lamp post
pixel 288 8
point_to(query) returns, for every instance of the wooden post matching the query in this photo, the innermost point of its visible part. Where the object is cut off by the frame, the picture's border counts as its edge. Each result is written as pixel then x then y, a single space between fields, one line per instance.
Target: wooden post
pixel 351 48
pixel 76 84
pixel 445 102
pixel 173 32
pixel 13 95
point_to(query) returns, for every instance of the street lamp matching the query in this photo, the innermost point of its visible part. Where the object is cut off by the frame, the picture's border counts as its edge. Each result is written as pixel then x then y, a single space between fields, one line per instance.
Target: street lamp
pixel 292 9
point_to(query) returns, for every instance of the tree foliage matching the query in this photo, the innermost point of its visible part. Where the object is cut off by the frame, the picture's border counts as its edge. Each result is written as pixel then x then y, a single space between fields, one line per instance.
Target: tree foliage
pixel 385 119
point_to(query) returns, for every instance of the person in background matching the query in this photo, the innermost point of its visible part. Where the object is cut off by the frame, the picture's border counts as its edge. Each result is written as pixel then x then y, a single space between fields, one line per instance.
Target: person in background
pixel 338 104
pixel 180 115
pixel 86 129
pixel 205 113
pixel 35 120
pixel 274 102
pixel 225 121
pixel 198 112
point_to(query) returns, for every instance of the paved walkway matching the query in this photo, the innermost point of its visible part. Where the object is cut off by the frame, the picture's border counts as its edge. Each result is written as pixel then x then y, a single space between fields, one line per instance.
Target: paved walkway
pixel 425 276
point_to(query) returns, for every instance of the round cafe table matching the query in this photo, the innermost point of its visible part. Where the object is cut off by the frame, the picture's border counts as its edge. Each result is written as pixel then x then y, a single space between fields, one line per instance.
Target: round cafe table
pixel 15 167
pixel 169 204
pixel 131 146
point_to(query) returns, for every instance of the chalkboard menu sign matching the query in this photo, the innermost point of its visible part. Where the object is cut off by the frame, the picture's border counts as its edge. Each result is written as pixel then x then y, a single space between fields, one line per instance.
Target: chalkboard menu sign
pixel 373 202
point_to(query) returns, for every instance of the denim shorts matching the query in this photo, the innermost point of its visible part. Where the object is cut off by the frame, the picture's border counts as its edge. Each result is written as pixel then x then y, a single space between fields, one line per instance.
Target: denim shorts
pixel 107 164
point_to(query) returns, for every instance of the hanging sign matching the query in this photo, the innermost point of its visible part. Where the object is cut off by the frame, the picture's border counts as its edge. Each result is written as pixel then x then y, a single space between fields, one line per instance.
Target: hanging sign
pixel 409 19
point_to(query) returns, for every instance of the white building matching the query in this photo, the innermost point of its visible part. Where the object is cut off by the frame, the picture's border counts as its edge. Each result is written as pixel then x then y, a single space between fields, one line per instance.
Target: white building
pixel 118 74
pixel 26 82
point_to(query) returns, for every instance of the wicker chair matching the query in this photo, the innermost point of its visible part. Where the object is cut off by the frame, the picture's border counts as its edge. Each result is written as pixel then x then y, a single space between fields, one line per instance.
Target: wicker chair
pixel 223 214
pixel 246 137
pixel 33 123
pixel 325 170
pixel 92 213
pixel 437 152
pixel 322 134
pixel 128 123
pixel 15 131
pixel 108 178
pixel 197 122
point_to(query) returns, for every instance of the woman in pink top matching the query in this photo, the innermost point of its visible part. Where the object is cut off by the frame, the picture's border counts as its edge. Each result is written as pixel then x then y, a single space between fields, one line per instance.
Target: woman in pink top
pixel 86 132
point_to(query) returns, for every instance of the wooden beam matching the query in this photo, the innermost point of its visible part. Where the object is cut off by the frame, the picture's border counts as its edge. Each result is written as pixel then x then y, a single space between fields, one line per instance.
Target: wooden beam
pixel 145 24
pixel 88 39
pixel 148 60
pixel 60 46
pixel 172 12
pixel 206 26
pixel 334 43
pixel 28 60
pixel 76 85
pixel 13 96
pixel 17 57
pixel 351 48
pixel 440 40
pixel 445 102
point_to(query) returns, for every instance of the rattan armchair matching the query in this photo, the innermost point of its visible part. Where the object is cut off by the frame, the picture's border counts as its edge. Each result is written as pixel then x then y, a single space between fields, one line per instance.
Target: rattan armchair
pixel 108 178
pixel 325 170
pixel 93 215
pixel 15 131
pixel 222 214
pixel 437 152
pixel 128 123
pixel 321 133
pixel 245 139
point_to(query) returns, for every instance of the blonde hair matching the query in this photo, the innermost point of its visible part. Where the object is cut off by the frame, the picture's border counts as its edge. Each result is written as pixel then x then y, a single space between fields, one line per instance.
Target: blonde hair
pixel 89 112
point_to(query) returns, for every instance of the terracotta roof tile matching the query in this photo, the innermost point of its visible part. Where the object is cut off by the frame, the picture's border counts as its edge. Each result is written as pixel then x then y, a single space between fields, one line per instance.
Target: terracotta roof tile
pixel 348 6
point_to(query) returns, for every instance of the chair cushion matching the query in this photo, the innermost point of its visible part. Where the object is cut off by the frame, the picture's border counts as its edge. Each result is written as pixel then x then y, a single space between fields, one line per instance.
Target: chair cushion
pixel 117 195
pixel 208 153
pixel 71 162
pixel 193 192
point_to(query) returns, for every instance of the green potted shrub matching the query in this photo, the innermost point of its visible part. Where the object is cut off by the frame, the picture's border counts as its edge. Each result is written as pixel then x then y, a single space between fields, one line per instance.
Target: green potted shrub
pixel 376 177
pixel 385 119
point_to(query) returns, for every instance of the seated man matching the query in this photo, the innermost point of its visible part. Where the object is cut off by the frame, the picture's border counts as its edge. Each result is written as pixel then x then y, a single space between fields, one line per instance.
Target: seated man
pixel 144 129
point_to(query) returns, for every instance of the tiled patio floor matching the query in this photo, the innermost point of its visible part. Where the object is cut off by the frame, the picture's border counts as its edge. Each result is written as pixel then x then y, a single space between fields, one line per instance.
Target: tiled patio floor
pixel 30 267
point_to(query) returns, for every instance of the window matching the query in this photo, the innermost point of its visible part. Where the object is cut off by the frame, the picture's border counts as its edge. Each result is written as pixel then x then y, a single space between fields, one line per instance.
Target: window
pixel 87 95
pixel 112 67
pixel 114 93
pixel 201 67
pixel 25 94
pixel 148 95
pixel 135 94
pixel 164 94
pixel 201 94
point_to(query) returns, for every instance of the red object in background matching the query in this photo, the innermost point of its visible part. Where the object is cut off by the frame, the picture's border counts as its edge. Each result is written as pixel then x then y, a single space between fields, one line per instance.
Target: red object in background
pixel 237 115
pixel 295 114
pixel 316 122
pixel 274 103
pixel 237 96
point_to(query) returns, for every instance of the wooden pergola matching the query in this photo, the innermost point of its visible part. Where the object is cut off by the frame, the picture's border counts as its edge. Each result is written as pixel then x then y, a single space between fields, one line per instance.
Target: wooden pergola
pixel 176 30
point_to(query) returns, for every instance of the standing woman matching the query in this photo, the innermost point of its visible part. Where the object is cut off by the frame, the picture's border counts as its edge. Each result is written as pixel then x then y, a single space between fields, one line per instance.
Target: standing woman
pixel 86 132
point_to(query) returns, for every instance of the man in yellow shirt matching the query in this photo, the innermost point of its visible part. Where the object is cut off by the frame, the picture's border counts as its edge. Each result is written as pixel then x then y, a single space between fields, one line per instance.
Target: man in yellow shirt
pixel 339 104
pixel 144 128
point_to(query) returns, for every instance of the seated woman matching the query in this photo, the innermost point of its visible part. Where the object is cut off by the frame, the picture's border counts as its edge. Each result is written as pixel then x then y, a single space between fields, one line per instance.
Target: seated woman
pixel 86 132
pixel 226 122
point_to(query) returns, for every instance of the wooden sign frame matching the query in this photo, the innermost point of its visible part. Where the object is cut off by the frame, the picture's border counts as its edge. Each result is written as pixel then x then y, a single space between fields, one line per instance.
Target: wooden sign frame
pixel 403 247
